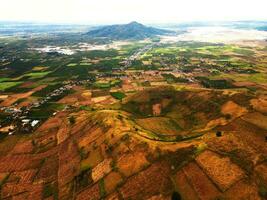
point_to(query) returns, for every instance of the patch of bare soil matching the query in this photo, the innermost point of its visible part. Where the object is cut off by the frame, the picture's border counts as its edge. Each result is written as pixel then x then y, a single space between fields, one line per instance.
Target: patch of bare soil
pixel 156 109
pixel 233 109
pixel 91 193
pixel 126 165
pixel 220 169
pixel 184 187
pixel 14 97
pixel 244 189
pixel 200 182
pixel 150 182
pixel 111 181
pixel 101 170
pixel 257 119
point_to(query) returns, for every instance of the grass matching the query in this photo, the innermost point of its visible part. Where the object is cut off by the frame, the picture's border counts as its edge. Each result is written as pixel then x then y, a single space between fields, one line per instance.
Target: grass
pixel 84 166
pixel 118 95
pixel 102 188
pixel 48 190
pixel 87 108
pixel 4 179
pixel 6 85
pixel 39 68
pixel 256 78
pixel 85 64
pixel 34 75
pixel 105 85
pixel 102 85
pixel 72 65
pixel 4 79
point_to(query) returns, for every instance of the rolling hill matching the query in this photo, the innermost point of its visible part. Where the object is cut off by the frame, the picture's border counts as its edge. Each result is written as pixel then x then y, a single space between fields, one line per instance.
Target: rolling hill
pixel 132 30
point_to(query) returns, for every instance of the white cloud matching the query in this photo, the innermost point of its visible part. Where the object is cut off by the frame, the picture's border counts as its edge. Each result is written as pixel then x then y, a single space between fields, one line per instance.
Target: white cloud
pixel 111 11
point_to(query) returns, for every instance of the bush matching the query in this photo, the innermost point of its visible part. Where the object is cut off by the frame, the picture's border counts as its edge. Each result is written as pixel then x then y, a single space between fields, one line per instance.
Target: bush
pixel 176 196
pixel 48 190
pixel 263 191
pixel 72 120
pixel 218 133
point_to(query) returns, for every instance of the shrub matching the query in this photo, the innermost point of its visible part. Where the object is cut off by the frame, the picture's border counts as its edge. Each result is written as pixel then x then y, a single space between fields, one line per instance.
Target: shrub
pixel 263 191
pixel 72 120
pixel 176 196
pixel 218 133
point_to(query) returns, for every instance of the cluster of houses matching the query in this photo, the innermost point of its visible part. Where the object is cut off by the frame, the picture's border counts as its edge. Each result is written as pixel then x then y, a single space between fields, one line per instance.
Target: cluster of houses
pixel 18 120
pixel 128 61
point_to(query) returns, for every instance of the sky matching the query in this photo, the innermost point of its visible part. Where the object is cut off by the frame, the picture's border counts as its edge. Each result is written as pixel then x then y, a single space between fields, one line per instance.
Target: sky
pixel 122 11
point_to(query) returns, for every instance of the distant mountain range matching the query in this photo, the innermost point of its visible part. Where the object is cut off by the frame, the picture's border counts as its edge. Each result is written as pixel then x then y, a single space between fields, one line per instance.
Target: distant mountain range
pixel 132 30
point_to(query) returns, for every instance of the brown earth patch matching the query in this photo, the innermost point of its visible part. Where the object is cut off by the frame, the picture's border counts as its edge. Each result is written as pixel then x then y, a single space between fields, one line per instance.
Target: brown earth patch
pixel 257 119
pixel 26 84
pixel 23 147
pixel 156 109
pixel 130 164
pixel 152 181
pixel 111 181
pixel 260 104
pixel 35 191
pixel 220 169
pixel 25 176
pixel 81 96
pixel 18 163
pixel 261 171
pixel 63 133
pixel 69 164
pixel 184 187
pixel 94 158
pixel 48 171
pixel 113 196
pixel 236 147
pixel 233 109
pixel 200 182
pixel 160 125
pixel 101 170
pixel 14 97
pixel 243 190
pixel 92 193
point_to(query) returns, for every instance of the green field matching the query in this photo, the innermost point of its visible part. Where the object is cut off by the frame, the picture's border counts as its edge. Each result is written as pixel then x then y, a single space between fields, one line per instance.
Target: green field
pixel 7 85
pixel 118 95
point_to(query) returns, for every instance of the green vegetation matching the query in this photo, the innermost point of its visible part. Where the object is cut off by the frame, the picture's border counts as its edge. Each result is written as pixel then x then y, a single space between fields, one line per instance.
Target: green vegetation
pixel 263 191
pixel 72 120
pixel 35 75
pixel 72 65
pixel 217 84
pixel 49 190
pixel 105 85
pixel 4 79
pixel 172 79
pixel 102 188
pixel 6 85
pixel 118 95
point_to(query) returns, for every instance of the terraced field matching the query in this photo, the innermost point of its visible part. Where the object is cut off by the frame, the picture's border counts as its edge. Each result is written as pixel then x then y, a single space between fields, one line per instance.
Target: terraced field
pixel 113 154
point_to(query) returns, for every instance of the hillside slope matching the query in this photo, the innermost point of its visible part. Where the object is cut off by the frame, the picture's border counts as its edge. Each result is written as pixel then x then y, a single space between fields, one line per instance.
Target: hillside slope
pixel 132 30
pixel 112 154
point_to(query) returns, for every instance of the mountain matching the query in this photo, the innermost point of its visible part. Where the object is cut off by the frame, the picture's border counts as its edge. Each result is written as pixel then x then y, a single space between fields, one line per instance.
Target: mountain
pixel 132 30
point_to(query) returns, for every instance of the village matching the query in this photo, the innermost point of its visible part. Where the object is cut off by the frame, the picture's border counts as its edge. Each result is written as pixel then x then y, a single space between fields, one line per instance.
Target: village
pixel 18 120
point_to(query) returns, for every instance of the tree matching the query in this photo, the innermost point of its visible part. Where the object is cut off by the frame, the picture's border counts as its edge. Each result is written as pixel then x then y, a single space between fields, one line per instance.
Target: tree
pixel 72 120
pixel 218 133
pixel 176 196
